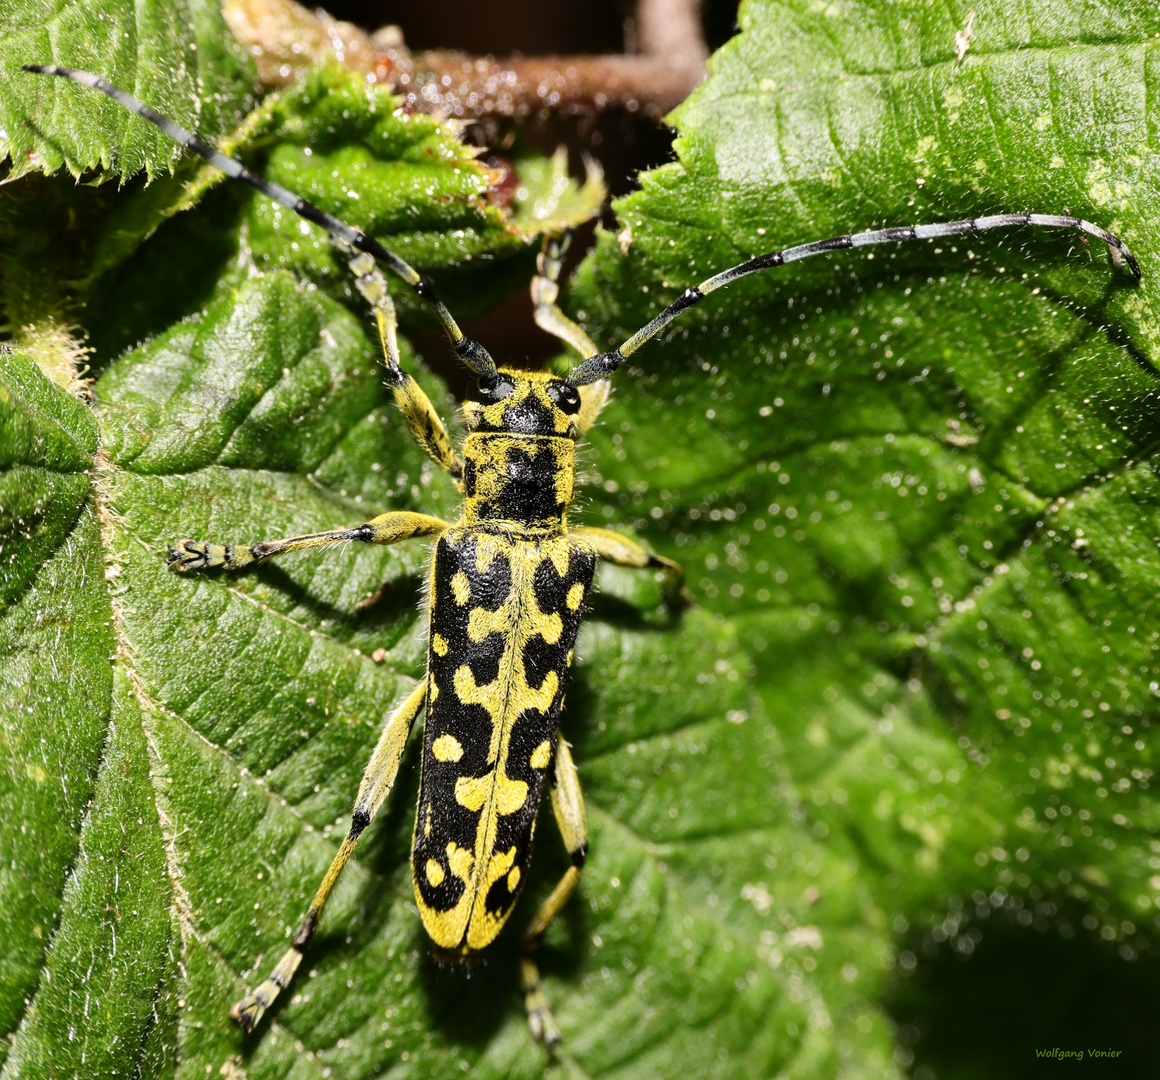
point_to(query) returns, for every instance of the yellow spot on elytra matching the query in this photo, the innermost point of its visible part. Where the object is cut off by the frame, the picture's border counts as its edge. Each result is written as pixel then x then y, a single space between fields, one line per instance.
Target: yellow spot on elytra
pixel 560 557
pixel 471 791
pixel 541 756
pixel 510 795
pixel 507 795
pixel 481 623
pixel 513 882
pixel 549 627
pixel 460 588
pixel 460 860
pixel 447 748
pixel 434 692
pixel 427 821
pixel 575 597
pixel 486 549
pixel 435 874
pixel 439 644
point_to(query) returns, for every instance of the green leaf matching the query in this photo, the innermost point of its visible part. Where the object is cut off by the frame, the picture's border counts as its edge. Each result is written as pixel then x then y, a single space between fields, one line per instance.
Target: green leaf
pixel 178 56
pixel 919 483
pixel 914 495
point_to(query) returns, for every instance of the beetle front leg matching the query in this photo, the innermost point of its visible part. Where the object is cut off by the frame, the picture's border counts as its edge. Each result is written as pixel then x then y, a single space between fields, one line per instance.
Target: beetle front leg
pixel 423 422
pixel 549 317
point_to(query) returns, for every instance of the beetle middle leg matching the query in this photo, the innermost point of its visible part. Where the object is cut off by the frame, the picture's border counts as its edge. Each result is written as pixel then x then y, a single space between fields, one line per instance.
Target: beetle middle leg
pixel 375 787
pixel 622 551
pixel 568 807
pixel 389 528
pixel 423 422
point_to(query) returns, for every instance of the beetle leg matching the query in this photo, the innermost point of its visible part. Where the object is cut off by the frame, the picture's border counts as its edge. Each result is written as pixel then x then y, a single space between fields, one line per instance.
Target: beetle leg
pixel 390 528
pixel 376 786
pixel 568 806
pixel 424 423
pixel 546 291
pixel 622 551
pixel 549 317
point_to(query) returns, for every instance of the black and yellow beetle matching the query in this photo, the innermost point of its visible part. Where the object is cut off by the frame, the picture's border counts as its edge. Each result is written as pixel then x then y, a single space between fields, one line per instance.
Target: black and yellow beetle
pixel 508 582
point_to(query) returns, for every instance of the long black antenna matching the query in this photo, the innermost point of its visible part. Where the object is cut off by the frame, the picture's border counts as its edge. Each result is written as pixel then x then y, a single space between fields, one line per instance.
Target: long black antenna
pixel 604 364
pixel 474 355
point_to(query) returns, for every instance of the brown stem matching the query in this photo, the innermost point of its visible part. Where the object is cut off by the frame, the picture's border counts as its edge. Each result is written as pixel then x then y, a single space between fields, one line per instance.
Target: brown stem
pixel 285 38
pixel 468 88
pixel 670 30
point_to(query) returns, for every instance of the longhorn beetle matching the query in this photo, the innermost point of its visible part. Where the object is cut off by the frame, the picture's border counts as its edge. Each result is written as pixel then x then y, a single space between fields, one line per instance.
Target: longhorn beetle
pixel 508 581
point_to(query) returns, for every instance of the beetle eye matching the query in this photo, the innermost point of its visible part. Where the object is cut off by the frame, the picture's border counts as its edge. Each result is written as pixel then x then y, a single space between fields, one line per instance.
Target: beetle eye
pixel 566 398
pixel 495 388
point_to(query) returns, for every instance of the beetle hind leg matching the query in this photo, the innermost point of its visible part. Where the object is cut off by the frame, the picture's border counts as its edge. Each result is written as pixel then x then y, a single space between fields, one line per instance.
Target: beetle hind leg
pixel 568 807
pixel 376 786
